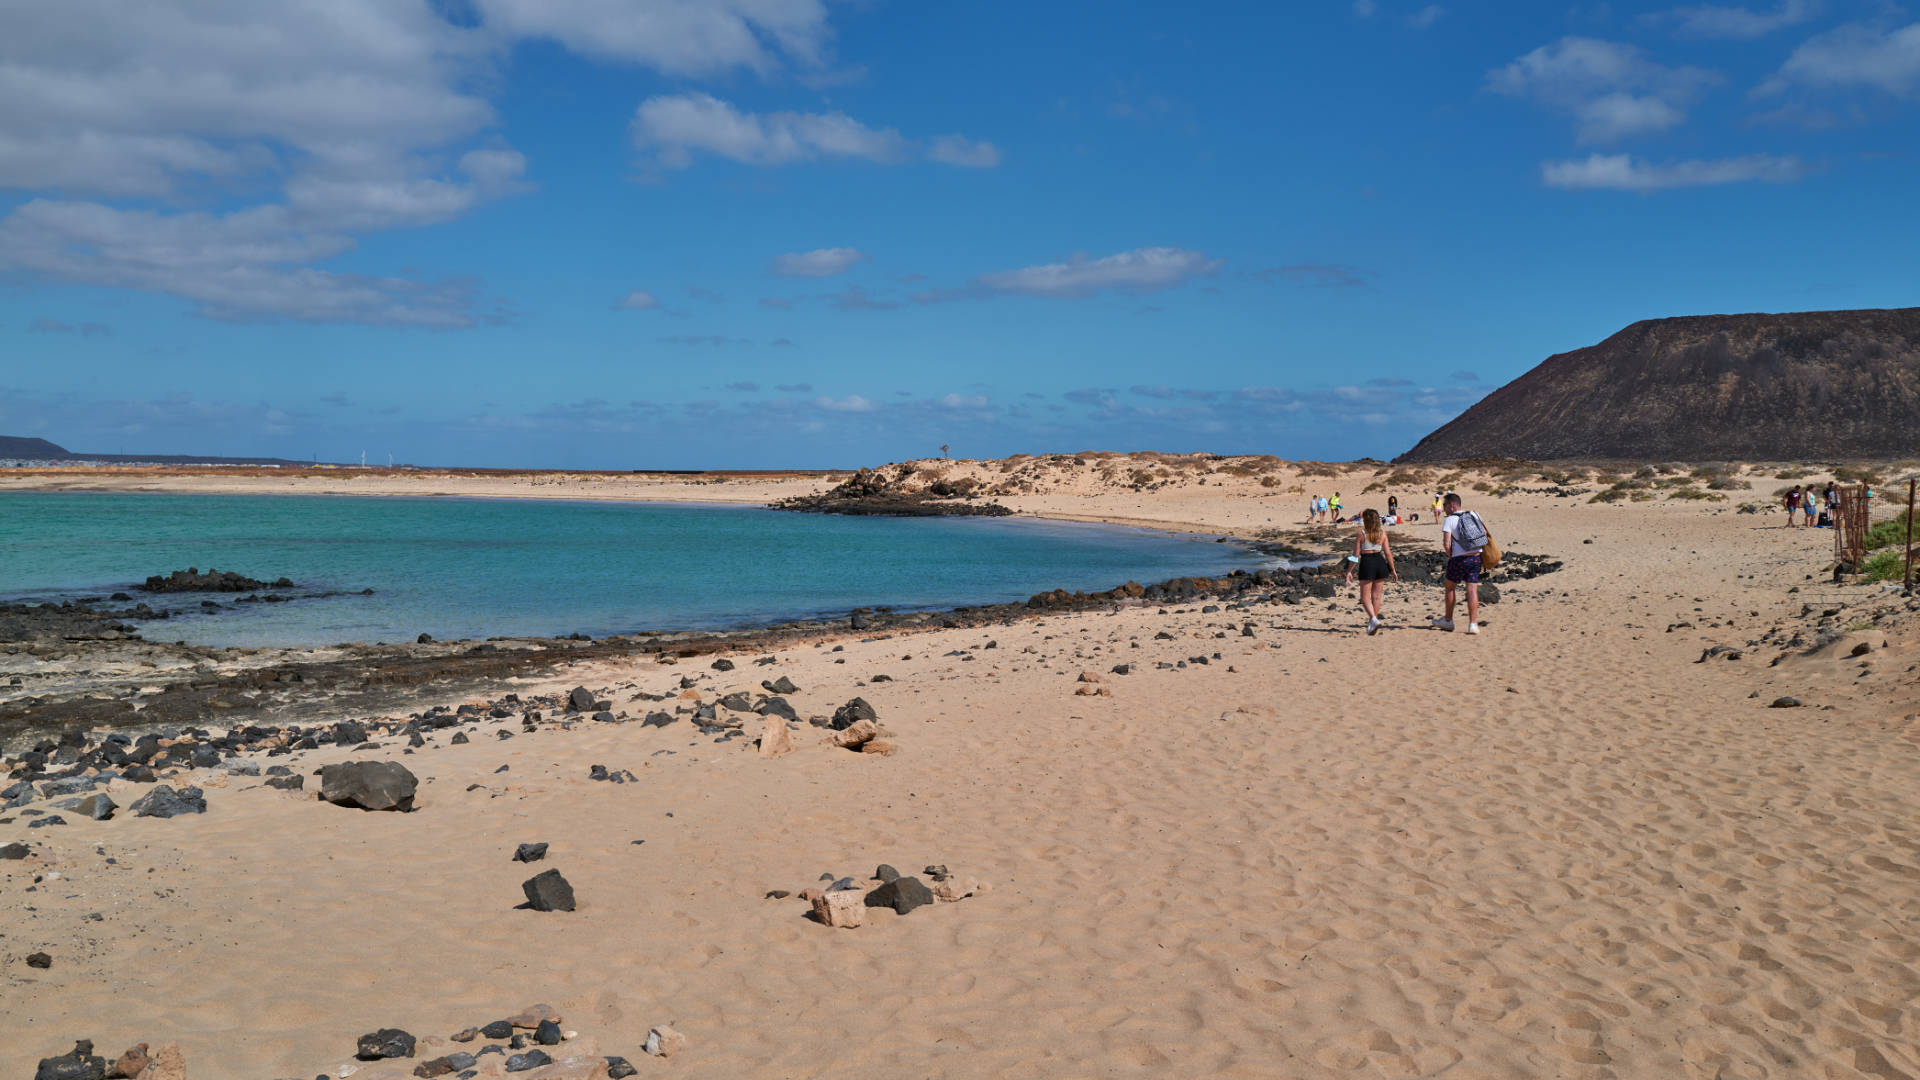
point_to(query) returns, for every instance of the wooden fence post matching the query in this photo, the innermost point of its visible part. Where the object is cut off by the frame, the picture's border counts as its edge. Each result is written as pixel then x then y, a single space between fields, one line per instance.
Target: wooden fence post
pixel 1907 578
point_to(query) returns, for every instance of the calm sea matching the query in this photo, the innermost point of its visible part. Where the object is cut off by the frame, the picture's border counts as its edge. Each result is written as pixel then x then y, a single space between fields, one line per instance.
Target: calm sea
pixel 472 568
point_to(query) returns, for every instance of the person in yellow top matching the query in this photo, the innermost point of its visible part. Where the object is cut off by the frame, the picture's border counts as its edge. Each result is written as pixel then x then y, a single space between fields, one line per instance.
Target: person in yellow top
pixel 1333 504
pixel 1437 516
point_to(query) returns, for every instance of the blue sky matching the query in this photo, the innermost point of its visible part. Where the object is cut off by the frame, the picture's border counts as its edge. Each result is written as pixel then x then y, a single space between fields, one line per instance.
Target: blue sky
pixel 752 233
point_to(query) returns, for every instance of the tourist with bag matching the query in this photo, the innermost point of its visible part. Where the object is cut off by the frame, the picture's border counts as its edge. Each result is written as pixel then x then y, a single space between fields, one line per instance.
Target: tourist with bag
pixel 1465 540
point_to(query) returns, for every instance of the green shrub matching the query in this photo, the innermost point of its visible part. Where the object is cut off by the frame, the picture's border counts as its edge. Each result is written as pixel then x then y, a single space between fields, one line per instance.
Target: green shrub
pixel 1890 533
pixel 1695 494
pixel 1885 566
pixel 1729 483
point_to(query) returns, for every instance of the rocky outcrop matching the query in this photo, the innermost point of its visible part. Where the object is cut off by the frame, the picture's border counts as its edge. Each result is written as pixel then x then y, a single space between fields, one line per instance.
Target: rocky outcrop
pixel 1817 384
pixel 872 492
pixel 192 580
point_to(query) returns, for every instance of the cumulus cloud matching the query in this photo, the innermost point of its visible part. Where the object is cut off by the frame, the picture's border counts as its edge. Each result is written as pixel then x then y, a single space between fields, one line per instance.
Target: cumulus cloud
pixel 672 129
pixel 1140 270
pixel 677 37
pixel 1855 55
pixel 637 300
pixel 1620 172
pixel 1612 90
pixel 1715 21
pixel 822 262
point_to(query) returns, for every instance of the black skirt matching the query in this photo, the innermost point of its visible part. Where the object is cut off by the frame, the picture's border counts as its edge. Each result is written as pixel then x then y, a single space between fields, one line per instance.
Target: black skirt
pixel 1373 567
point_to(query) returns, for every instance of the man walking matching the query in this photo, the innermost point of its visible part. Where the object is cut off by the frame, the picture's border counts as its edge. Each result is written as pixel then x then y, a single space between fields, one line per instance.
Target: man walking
pixel 1462 535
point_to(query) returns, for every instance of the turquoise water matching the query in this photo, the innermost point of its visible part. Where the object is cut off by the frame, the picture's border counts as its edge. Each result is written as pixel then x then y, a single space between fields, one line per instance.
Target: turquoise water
pixel 473 568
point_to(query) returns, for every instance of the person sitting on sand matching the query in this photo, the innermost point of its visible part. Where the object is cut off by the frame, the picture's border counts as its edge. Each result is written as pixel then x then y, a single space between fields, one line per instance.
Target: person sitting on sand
pixel 1462 535
pixel 1372 562
pixel 1393 505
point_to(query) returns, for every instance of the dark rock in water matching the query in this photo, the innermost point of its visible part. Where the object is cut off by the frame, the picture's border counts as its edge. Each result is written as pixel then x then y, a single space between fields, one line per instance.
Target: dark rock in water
pixel 499 1029
pixel 886 873
pixel 547 1033
pixel 852 713
pixel 441 1066
pixel 782 685
pixel 722 664
pixel 580 699
pixel 192 580
pixel 857 621
pixel 14 851
pixel 287 783
pixel 530 852
pixel 369 785
pixel 619 1068
pixel 459 739
pixel 532 1059
pixel 424 639
pixel 80 1063
pixel 385 1043
pixel 901 894
pixel 166 802
pixel 39 960
pixel 548 892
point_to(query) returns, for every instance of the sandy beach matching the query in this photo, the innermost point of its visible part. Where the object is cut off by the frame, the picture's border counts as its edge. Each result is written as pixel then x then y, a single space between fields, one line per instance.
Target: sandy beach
pixel 1571 845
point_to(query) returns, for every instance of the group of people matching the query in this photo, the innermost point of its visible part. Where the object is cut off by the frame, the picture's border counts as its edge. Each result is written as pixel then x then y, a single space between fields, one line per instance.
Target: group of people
pixel 1463 539
pixel 1804 502
pixel 1323 510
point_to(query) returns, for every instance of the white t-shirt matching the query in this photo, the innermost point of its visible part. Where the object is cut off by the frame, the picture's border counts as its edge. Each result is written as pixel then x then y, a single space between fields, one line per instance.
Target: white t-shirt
pixel 1451 527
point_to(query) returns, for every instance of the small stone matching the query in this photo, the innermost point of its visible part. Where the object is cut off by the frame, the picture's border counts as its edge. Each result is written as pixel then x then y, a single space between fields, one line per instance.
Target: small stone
pixel 852 713
pixel 901 894
pixel 1090 677
pixel 844 907
pixel 131 1061
pixel 39 960
pixel 168 1064
pixel 499 1029
pixel 530 852
pixel 776 739
pixel 548 892
pixel 459 739
pixel 441 1066
pixel 98 807
pixel 532 1059
pixel 855 734
pixel 618 1068
pixel 722 664
pixel 385 1043
pixel 882 747
pixel 777 894
pixel 547 1034
pixel 883 872
pixel 580 699
pixel 467 1036
pixel 1785 703
pixel 14 851
pixel 936 871
pixel 665 1042
pixel 287 783
pixel 533 1016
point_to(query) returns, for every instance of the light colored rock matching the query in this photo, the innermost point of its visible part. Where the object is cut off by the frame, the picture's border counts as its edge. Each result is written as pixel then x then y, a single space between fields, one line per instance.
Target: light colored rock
pixel 131 1062
pixel 846 908
pixel 531 1016
pixel 776 738
pixel 1093 691
pixel 1090 677
pixel 167 1063
pixel 572 1067
pixel 861 732
pixel 880 746
pixel 663 1041
pixel 953 889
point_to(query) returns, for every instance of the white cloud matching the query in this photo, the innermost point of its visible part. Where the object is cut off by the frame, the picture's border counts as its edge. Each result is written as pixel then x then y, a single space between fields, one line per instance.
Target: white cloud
pixel 963 152
pixel 1426 16
pixel 1140 270
pixel 1855 55
pixel 679 37
pixel 823 262
pixel 1612 90
pixel 850 403
pixel 637 300
pixel 963 401
pixel 1715 21
pixel 674 128
pixel 1618 172
pixel 1366 9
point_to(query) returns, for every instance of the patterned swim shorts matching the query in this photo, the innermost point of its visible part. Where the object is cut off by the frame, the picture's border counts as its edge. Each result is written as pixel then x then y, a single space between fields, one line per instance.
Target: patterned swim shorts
pixel 1464 569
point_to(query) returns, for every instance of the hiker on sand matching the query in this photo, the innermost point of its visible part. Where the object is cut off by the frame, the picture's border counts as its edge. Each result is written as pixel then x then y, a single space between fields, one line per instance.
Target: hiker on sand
pixel 1372 563
pixel 1793 504
pixel 1462 535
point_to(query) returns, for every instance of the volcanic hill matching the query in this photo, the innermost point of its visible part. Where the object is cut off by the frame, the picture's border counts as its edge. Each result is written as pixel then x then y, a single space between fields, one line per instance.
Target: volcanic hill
pixel 1809 385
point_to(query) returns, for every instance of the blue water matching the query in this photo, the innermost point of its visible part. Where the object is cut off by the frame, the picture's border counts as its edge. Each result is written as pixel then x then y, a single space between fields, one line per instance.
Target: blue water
pixel 474 568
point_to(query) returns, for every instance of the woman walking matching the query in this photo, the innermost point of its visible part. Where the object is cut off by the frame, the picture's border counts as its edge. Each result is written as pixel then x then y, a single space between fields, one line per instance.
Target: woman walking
pixel 1372 563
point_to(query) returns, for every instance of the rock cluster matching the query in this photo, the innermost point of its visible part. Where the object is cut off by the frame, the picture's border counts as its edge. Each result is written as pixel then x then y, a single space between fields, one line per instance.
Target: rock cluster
pixel 136 1063
pixel 192 580
pixel 844 902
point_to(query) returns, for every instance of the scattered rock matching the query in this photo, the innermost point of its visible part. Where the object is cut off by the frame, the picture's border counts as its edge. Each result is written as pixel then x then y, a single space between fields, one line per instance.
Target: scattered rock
pixel 665 1042
pixel 619 1068
pixel 80 1063
pixel 883 872
pixel 902 895
pixel 530 852
pixel 532 1059
pixel 880 747
pixel 166 802
pixel 852 713
pixel 98 807
pixel 369 785
pixel 776 739
pixel 533 1016
pixel 499 1029
pixel 722 664
pixel 441 1066
pixel 547 1033
pixel 580 699
pixel 782 685
pixel 1785 703
pixel 39 960
pixel 840 907
pixel 14 851
pixel 459 739
pixel 855 735
pixel 548 892
pixel 131 1062
pixel 287 783
pixel 385 1043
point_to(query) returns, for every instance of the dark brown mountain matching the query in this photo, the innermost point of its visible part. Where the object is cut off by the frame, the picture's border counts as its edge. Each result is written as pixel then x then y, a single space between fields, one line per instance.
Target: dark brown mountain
pixel 1810 385
pixel 22 448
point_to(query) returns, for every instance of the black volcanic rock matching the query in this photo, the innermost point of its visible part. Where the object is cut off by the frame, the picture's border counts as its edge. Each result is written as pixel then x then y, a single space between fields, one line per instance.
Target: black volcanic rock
pixel 1816 384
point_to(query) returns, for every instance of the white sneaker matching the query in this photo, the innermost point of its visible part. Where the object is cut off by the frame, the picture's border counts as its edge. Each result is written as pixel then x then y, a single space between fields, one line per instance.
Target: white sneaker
pixel 1473 628
pixel 1373 625
pixel 1443 624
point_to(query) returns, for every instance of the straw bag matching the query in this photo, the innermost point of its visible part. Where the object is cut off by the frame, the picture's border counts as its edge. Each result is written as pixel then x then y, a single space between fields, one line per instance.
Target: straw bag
pixel 1490 555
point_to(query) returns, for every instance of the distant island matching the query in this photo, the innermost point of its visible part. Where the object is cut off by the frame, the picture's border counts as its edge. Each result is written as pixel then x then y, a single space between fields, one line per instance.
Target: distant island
pixel 1817 385
pixel 19 448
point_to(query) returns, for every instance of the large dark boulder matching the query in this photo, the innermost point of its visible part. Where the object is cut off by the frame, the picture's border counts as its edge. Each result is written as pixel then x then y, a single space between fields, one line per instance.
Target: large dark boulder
pixel 902 894
pixel 166 802
pixel 852 713
pixel 369 785
pixel 548 892
pixel 80 1063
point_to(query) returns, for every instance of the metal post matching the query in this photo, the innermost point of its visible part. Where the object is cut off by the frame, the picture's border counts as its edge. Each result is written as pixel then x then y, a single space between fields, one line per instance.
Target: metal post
pixel 1907 579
